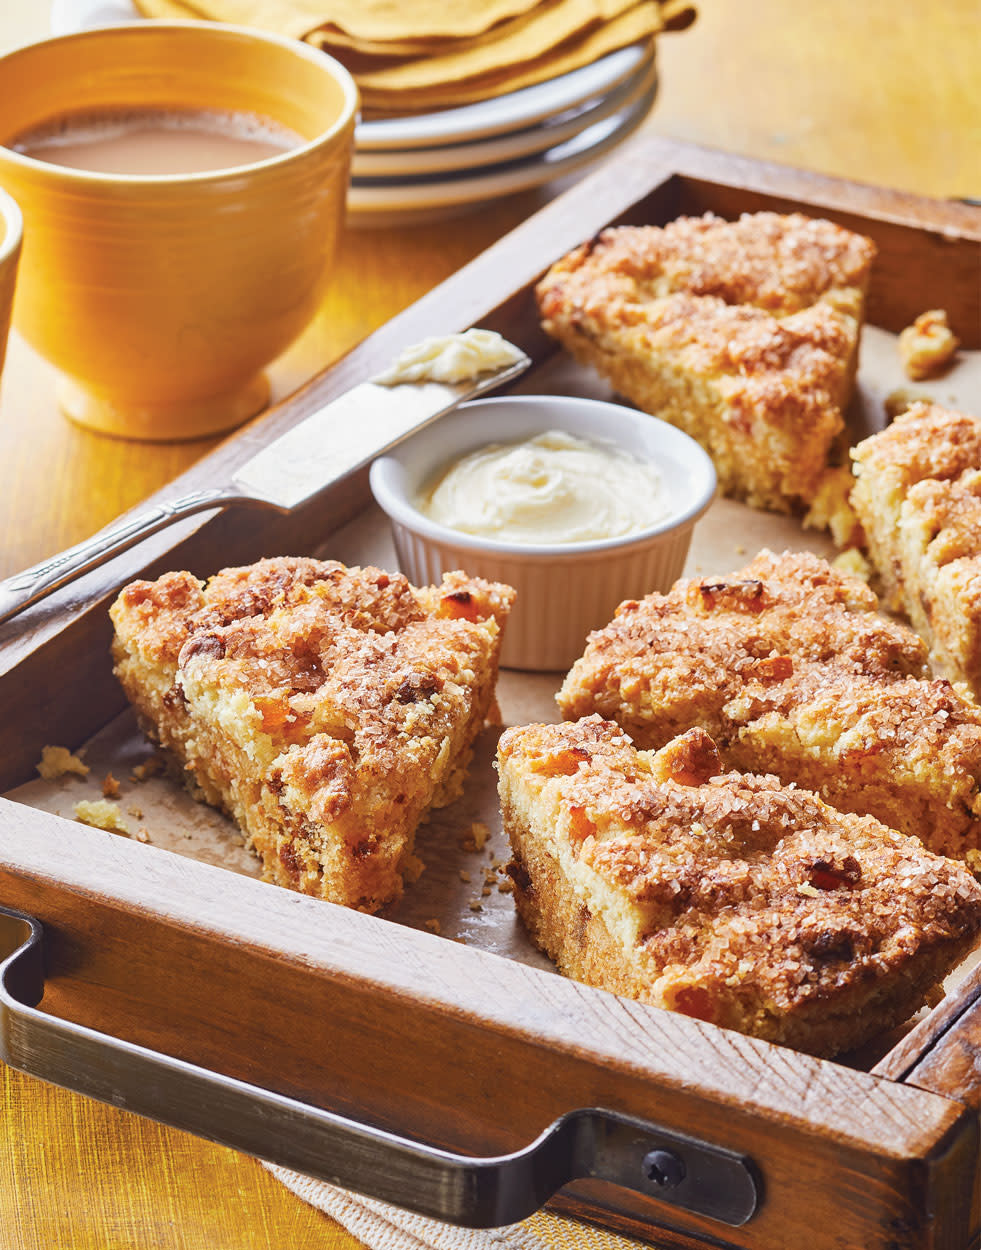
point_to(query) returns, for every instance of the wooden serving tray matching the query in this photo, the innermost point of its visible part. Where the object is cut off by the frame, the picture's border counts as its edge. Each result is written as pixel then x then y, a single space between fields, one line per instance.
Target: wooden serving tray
pixel 428 1038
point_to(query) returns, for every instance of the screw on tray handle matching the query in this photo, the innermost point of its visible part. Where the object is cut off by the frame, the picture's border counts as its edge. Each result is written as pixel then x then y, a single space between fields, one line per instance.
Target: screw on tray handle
pixel 477 1192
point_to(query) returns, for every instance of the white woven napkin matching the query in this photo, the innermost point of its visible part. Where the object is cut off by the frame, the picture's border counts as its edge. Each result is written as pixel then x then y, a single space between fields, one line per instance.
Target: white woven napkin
pixel 384 1227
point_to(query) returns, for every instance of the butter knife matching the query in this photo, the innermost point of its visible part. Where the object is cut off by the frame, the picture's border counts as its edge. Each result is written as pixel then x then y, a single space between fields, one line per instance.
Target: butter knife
pixel 330 444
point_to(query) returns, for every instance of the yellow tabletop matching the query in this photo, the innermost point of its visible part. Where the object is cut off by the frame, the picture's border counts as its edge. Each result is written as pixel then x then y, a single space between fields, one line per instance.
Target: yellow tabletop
pixel 879 91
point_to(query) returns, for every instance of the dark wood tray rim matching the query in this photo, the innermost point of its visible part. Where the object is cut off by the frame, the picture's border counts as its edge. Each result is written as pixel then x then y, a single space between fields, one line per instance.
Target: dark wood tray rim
pixel 161 949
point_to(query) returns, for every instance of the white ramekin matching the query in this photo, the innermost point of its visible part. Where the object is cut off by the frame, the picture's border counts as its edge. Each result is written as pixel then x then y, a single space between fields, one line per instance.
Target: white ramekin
pixel 564 591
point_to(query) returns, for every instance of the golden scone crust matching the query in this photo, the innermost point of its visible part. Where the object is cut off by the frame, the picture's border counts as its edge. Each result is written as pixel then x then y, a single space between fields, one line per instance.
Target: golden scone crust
pixel 743 333
pixel 918 497
pixel 925 441
pixel 779 262
pixel 723 895
pixel 927 346
pixel 326 708
pixel 788 666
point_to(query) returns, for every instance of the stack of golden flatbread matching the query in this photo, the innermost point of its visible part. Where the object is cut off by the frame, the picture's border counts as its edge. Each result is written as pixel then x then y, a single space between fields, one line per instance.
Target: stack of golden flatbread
pixel 410 56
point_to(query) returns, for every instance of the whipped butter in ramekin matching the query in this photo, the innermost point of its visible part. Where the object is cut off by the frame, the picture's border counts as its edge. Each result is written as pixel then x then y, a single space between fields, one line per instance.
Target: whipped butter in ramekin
pixel 553 487
pixel 567 586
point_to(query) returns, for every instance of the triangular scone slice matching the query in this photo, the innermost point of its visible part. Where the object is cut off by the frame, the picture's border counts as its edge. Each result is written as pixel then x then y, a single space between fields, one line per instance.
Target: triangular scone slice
pixel 917 494
pixel 789 666
pixel 927 442
pixel 725 896
pixel 744 334
pixel 940 538
pixel 325 708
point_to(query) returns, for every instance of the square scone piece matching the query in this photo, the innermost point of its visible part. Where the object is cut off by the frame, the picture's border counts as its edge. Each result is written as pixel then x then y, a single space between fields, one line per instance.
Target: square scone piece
pixel 743 333
pixel 325 708
pixel 791 669
pixel 917 495
pixel 723 895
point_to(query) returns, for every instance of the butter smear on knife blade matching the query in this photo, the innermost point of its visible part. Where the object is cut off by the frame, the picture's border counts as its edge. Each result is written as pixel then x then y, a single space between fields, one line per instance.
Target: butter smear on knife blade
pixel 451 358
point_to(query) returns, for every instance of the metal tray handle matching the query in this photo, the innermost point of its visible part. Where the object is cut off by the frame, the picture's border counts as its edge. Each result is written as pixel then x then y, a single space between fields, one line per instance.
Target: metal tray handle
pixel 477 1192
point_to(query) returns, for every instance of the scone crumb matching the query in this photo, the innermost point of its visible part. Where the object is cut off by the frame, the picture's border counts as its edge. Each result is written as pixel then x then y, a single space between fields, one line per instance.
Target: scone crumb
pixel 412 869
pixel 830 508
pixel 56 761
pixel 928 345
pixel 464 876
pixel 135 812
pixel 854 562
pixel 897 401
pixel 151 767
pixel 476 837
pixel 433 925
pixel 142 834
pixel 972 858
pixel 807 889
pixel 505 886
pixel 110 787
pixel 476 905
pixel 485 892
pixel 101 814
pixel 740 549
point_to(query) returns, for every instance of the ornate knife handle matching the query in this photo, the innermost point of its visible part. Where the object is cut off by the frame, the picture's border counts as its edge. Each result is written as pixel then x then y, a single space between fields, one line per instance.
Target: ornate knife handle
pixel 27 587
pixel 478 1192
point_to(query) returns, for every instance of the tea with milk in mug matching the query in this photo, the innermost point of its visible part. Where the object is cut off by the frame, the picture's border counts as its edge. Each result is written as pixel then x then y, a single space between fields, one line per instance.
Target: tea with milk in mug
pixel 156 141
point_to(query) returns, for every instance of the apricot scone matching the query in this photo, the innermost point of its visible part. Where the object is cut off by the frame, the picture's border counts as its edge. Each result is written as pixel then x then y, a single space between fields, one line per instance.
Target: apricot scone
pixel 917 495
pixel 742 333
pixel 789 667
pixel 723 895
pixel 327 709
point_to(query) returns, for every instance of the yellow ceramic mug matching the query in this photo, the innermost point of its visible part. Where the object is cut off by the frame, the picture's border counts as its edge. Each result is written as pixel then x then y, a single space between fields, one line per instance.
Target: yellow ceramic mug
pixel 161 298
pixel 11 231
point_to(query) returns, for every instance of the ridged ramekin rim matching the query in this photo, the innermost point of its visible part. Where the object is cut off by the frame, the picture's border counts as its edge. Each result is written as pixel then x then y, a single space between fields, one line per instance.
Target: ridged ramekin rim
pixel 399 509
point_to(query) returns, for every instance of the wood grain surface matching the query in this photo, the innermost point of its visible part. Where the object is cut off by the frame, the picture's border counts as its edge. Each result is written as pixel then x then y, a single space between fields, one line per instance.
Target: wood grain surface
pixel 276 989
pixel 883 92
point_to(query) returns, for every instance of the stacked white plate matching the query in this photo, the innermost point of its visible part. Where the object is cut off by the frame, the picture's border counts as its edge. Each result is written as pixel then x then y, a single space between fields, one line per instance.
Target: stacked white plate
pixel 432 164
pixel 438 162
